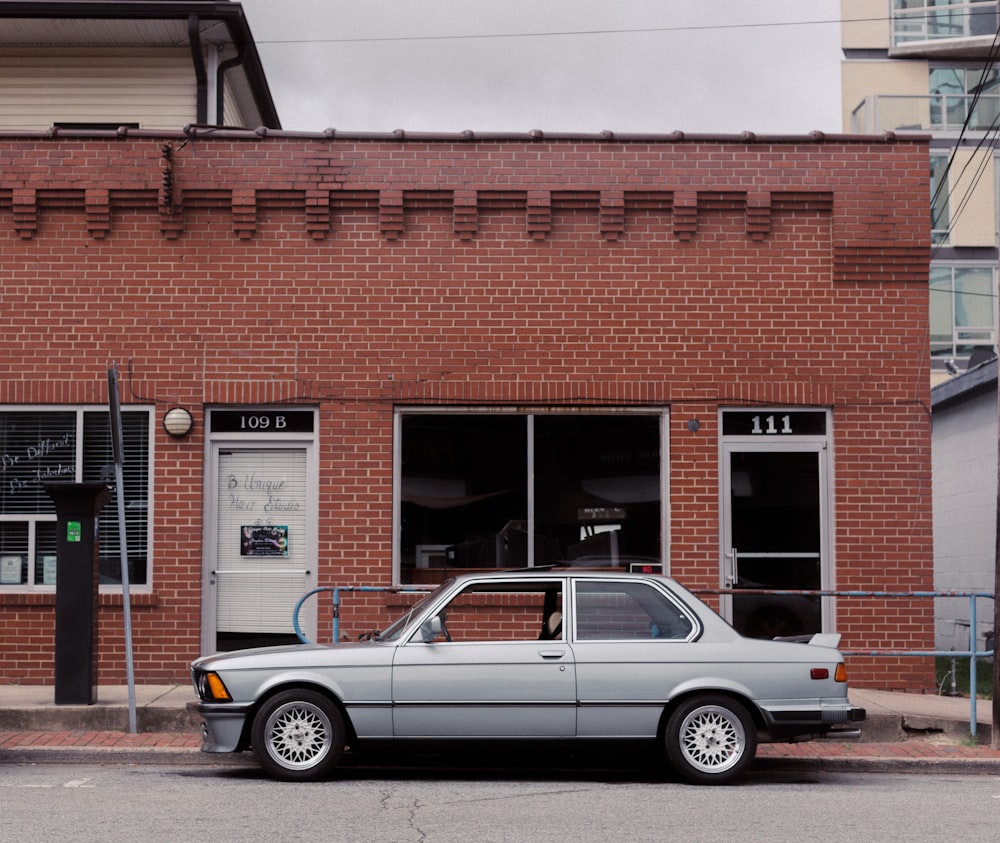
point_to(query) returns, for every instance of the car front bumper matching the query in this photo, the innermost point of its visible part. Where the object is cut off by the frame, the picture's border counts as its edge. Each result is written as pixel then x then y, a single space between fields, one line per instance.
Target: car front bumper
pixel 221 724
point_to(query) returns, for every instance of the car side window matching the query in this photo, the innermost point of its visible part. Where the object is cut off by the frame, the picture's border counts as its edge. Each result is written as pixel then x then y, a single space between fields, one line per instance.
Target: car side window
pixel 627 611
pixel 501 612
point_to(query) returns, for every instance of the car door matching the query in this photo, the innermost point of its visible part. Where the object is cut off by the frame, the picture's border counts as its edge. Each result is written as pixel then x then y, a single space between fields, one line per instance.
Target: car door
pixel 632 646
pixel 500 667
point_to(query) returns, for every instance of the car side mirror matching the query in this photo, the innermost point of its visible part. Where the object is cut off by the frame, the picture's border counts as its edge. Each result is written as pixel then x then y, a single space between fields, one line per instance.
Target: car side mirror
pixel 430 629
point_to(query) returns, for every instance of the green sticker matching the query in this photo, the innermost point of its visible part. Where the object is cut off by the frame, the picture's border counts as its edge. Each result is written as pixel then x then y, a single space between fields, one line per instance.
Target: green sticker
pixel 73 531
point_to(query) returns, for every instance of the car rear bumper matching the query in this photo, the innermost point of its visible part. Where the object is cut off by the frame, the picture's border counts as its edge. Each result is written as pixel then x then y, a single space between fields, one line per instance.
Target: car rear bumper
pixel 828 721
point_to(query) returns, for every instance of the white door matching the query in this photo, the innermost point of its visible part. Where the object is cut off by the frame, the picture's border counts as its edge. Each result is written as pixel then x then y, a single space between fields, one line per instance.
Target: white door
pixel 264 544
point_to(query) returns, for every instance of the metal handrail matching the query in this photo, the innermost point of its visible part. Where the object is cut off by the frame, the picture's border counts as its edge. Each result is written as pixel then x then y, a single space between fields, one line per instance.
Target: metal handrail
pixel 336 591
pixel 972 653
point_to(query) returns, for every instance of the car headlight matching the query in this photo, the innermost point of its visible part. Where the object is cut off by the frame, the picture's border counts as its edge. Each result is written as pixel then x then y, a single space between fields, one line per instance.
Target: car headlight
pixel 210 687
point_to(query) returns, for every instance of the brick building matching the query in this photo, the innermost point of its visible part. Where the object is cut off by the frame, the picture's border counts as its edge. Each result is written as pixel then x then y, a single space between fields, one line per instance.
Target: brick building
pixel 406 356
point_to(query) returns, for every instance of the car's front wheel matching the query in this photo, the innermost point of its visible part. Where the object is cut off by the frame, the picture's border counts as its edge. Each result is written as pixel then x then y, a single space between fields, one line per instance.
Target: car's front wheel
pixel 710 739
pixel 298 736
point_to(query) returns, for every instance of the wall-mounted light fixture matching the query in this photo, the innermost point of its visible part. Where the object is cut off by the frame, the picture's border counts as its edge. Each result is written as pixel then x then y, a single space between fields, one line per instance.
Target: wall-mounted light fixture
pixel 178 422
pixel 694 425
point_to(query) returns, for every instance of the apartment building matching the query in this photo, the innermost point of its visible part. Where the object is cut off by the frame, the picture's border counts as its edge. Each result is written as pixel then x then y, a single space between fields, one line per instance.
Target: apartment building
pixel 930 67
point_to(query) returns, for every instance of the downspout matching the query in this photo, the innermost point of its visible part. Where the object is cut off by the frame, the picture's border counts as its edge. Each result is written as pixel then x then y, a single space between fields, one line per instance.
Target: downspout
pixel 220 83
pixel 200 73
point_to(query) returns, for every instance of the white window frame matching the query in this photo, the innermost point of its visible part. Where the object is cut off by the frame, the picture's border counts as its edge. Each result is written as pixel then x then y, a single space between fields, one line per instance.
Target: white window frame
pixel 32 519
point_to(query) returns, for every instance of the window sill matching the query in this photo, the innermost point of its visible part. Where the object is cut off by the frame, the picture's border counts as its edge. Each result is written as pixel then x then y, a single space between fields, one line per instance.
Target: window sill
pixel 106 599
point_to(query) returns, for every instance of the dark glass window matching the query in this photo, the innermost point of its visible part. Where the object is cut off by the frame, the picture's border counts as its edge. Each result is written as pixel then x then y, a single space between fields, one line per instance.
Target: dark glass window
pixel 507 490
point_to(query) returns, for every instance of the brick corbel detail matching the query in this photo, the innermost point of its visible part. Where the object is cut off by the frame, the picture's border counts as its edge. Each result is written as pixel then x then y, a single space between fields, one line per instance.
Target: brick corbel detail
pixel 685 214
pixel 466 214
pixel 244 202
pixel 172 218
pixel 390 213
pixel 318 213
pixel 539 214
pixel 98 205
pixel 612 216
pixel 758 215
pixel 24 204
pixel 867 243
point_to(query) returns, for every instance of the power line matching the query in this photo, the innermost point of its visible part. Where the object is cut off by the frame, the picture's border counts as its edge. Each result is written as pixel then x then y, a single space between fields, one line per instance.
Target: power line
pixel 574 33
pixel 569 33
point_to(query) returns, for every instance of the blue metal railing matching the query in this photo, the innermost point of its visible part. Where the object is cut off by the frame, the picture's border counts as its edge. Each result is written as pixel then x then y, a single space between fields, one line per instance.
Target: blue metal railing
pixel 336 591
pixel 971 654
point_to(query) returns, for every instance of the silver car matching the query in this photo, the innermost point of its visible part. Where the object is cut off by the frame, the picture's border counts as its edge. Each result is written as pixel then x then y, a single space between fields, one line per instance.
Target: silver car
pixel 545 654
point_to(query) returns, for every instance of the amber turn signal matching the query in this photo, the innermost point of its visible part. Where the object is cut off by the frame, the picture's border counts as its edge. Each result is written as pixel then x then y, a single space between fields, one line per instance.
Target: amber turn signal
pixel 841 674
pixel 216 687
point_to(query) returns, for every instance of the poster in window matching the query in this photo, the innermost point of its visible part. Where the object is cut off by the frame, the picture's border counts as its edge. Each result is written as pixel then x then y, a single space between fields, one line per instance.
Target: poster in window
pixel 10 570
pixel 269 540
pixel 48 569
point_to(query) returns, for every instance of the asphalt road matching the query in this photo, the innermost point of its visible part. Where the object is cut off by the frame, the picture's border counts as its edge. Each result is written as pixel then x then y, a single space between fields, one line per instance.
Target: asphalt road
pixel 83 802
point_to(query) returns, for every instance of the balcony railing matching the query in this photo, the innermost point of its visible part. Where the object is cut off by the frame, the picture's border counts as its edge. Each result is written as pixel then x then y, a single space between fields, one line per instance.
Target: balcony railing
pixel 946 113
pixel 915 22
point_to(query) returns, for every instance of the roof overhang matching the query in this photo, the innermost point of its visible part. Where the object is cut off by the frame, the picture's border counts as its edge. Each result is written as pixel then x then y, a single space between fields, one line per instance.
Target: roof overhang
pixel 148 23
pixel 969 384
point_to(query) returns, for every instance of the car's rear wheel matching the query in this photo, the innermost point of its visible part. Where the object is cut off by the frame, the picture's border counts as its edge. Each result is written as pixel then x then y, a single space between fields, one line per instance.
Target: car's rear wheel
pixel 298 735
pixel 710 739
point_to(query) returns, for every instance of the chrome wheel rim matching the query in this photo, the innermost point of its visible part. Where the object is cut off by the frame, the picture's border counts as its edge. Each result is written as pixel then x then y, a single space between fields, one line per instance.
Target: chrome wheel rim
pixel 712 739
pixel 299 735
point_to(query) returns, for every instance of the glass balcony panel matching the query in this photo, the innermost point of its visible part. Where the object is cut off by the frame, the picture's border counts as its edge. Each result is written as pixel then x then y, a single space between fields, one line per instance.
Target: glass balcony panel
pixel 916 21
pixel 935 113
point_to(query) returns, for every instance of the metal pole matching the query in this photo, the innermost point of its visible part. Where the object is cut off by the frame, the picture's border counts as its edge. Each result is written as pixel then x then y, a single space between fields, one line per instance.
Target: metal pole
pixel 995 737
pixel 973 678
pixel 126 602
pixel 119 457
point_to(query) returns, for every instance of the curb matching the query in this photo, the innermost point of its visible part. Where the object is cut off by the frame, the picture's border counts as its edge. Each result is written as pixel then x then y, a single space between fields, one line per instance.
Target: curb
pixel 97 718
pixel 131 756
pixel 928 766
pixel 151 756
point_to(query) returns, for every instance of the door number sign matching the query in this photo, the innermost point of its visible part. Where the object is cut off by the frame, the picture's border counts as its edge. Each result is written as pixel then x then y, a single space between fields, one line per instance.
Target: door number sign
pixel 774 423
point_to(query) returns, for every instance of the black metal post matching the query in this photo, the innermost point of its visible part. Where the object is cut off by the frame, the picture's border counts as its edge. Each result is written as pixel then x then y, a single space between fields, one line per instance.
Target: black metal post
pixel 77 508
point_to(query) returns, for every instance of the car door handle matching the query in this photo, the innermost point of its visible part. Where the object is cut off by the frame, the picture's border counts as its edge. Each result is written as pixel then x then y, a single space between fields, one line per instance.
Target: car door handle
pixel 552 654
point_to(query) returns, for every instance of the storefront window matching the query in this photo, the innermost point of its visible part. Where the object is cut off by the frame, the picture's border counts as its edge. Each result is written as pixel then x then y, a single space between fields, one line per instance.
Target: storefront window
pixel 508 490
pixel 37 446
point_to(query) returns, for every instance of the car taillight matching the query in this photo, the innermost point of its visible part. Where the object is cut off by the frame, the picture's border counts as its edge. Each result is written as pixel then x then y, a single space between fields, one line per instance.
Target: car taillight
pixel 841 673
pixel 819 673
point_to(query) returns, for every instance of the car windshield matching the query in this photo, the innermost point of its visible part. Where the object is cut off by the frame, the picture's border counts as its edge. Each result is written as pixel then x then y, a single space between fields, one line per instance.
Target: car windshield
pixel 395 629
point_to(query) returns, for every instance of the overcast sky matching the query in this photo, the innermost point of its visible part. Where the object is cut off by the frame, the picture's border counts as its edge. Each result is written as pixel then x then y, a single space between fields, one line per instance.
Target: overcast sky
pixel 768 66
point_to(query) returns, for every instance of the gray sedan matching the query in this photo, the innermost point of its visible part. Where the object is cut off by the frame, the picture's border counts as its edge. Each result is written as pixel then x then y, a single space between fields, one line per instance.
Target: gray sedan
pixel 545 654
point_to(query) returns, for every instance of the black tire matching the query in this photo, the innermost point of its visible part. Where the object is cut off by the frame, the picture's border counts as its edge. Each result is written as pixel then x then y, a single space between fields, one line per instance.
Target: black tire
pixel 711 739
pixel 298 736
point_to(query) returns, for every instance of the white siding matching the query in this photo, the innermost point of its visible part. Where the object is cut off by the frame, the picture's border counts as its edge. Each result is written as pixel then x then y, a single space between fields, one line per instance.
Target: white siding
pixel 154 88
pixel 965 500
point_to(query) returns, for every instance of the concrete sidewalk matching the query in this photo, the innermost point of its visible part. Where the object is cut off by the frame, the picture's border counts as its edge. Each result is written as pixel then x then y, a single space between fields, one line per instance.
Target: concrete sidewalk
pixel 903 732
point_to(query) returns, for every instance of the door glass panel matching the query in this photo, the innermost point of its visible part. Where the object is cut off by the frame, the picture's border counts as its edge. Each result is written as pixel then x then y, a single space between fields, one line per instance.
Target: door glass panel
pixel 776 540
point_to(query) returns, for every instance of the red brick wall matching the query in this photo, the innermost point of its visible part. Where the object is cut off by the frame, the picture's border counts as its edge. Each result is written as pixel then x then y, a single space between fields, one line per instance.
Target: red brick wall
pixel 362 274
